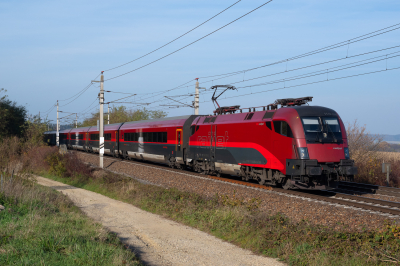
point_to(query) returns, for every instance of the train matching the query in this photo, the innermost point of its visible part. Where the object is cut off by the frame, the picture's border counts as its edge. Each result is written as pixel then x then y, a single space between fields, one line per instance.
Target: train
pixel 287 144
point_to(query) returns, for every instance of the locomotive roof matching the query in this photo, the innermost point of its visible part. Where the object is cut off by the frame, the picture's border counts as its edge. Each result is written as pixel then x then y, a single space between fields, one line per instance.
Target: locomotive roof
pixel 313 111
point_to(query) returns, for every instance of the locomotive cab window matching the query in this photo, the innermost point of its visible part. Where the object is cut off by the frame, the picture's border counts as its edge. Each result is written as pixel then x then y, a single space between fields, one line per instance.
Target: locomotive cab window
pixel 283 128
pixel 322 129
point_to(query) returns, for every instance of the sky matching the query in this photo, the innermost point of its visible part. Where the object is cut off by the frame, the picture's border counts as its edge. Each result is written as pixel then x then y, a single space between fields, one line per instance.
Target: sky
pixel 52 50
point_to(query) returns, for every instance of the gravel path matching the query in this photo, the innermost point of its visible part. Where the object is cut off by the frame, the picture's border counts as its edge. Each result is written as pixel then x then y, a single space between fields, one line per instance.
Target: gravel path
pixel 296 208
pixel 156 240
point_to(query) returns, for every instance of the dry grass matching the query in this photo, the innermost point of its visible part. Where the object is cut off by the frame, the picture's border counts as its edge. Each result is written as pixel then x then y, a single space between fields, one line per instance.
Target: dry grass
pixel 389 156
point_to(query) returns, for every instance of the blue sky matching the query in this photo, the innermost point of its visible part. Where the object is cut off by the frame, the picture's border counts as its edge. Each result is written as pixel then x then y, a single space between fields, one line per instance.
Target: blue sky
pixel 51 50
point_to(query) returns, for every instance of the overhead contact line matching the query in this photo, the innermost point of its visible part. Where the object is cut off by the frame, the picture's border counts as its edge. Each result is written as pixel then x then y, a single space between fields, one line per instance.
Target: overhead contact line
pixel 175 38
pixel 190 43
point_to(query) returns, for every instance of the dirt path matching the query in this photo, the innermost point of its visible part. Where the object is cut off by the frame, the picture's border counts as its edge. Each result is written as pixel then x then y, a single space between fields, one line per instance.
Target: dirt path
pixel 156 240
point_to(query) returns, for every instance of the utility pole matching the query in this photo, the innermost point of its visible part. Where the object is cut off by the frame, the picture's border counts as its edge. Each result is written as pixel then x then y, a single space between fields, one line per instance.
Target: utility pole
pixel 101 142
pixel 76 120
pixel 58 126
pixel 196 97
pixel 101 138
pixel 108 113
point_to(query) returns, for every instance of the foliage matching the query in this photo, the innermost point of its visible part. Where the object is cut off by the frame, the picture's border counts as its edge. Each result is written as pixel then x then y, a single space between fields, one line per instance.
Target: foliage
pixel 13 147
pixel 12 118
pixel 40 226
pixel 119 114
pixel 365 149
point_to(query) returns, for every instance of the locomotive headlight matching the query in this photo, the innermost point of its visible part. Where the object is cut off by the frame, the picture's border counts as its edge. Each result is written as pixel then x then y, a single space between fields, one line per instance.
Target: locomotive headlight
pixel 346 153
pixel 303 153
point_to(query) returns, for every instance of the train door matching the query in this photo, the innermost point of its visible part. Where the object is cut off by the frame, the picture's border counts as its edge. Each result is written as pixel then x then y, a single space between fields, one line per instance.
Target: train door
pixel 213 141
pixel 115 146
pixel 178 144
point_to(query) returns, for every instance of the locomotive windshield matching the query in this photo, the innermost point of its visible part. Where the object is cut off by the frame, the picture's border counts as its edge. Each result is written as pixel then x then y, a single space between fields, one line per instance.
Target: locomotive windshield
pixel 322 129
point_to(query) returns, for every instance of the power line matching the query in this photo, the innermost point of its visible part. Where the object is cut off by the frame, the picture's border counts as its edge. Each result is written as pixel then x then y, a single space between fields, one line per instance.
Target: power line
pixel 311 74
pixel 322 72
pixel 78 92
pixel 315 82
pixel 320 50
pixel 88 106
pixel 308 66
pixel 175 38
pixel 337 45
pixel 190 43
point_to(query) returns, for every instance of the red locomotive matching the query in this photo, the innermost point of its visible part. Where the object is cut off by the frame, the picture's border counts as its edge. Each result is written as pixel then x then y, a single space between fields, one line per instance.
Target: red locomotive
pixel 295 146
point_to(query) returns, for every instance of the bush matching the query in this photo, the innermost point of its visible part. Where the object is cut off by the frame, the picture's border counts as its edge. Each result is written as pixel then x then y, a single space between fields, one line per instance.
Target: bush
pixel 366 150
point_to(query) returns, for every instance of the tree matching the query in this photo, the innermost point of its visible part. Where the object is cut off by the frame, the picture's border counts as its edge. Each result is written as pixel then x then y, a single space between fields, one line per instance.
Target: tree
pixel 363 146
pixel 121 114
pixel 12 117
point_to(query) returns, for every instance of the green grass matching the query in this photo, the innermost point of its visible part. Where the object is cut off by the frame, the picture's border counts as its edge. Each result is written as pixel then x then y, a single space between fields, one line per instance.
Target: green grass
pixel 41 226
pixel 234 220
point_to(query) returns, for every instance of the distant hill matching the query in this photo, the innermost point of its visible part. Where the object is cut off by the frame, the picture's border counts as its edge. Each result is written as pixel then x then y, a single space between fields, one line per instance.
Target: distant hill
pixel 391 137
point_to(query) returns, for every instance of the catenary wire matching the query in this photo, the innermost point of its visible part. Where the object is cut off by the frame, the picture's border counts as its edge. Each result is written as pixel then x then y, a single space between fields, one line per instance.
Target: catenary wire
pixel 310 74
pixel 320 50
pixel 308 66
pixel 175 38
pixel 190 43
pixel 78 92
pixel 319 72
pixel 298 85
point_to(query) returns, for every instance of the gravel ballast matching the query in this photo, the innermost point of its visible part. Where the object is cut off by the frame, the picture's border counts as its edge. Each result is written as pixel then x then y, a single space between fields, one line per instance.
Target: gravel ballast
pixel 296 208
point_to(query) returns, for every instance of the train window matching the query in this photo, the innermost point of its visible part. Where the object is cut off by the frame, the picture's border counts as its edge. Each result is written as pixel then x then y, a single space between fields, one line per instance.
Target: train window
pixel 94 136
pixel 107 136
pixel 131 136
pixel 283 128
pixel 147 137
pixel 269 125
pixel 73 136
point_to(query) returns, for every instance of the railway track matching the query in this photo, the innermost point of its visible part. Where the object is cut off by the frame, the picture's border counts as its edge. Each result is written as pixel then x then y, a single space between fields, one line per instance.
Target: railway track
pixel 332 197
pixel 359 188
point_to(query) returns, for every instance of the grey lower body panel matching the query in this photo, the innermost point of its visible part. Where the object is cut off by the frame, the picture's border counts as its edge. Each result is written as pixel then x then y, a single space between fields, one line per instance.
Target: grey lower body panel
pixel 146 156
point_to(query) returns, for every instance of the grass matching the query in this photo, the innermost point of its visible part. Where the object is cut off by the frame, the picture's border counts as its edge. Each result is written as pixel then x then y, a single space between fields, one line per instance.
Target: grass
pixel 234 220
pixel 40 226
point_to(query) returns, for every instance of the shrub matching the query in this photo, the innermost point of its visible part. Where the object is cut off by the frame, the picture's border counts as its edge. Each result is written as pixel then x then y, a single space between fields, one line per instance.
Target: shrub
pixel 366 150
